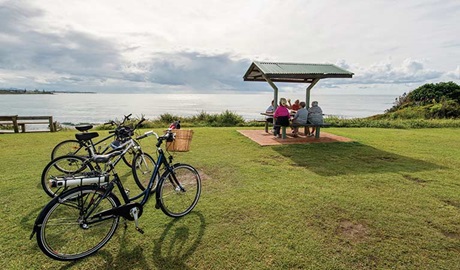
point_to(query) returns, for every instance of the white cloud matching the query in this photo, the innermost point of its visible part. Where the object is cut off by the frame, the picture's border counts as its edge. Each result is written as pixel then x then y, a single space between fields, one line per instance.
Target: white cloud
pixel 455 74
pixel 207 45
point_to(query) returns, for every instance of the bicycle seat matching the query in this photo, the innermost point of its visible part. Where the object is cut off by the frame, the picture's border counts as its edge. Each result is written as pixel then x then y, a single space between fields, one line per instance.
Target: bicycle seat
pixel 84 127
pixel 86 136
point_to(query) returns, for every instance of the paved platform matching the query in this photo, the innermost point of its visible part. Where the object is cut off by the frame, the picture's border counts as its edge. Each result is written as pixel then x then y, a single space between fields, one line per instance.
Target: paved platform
pixel 266 139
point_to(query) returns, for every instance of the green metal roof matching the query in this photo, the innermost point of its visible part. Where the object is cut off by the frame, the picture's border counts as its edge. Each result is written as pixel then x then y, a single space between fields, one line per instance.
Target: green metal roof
pixel 294 72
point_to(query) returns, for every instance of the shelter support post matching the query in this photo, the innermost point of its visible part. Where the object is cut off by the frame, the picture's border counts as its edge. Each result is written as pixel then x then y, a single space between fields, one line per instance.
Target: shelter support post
pixel 275 95
pixel 275 91
pixel 307 95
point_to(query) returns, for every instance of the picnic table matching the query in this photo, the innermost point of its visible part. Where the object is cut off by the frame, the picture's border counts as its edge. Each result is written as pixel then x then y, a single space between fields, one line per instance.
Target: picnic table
pixel 283 129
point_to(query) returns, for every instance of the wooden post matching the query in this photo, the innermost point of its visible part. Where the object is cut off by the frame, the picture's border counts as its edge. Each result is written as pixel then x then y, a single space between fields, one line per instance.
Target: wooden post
pixel 52 127
pixel 307 96
pixel 14 118
pixel 275 94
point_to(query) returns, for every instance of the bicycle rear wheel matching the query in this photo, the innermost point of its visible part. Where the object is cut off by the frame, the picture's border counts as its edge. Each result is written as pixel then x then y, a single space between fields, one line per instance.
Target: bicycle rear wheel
pixel 142 168
pixel 68 228
pixel 64 168
pixel 178 192
pixel 68 147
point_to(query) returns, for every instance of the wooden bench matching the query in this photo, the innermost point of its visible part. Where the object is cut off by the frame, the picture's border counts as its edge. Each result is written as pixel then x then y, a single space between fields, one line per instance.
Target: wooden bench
pixel 316 126
pixel 283 129
pixel 21 122
pixel 10 120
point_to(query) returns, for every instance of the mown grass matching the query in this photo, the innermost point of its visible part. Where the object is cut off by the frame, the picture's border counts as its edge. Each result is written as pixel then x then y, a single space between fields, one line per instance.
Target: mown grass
pixel 388 200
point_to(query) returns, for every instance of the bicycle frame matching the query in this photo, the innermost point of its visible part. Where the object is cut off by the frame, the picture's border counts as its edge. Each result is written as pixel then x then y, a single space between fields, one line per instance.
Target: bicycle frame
pixel 148 191
pixel 145 195
pixel 92 146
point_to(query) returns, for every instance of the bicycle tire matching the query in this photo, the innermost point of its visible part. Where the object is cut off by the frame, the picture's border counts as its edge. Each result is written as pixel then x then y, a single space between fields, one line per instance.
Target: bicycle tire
pixel 65 234
pixel 64 167
pixel 178 194
pixel 142 169
pixel 68 147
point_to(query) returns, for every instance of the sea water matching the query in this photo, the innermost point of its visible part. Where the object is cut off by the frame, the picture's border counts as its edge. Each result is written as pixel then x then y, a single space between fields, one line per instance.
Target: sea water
pixel 100 108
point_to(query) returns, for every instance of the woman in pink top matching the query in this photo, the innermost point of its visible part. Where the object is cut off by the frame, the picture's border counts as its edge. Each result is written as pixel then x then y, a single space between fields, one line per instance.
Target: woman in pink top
pixel 281 116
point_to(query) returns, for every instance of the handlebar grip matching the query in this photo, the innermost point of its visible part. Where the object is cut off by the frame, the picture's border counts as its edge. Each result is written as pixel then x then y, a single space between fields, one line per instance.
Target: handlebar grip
pixel 148 133
pixel 139 124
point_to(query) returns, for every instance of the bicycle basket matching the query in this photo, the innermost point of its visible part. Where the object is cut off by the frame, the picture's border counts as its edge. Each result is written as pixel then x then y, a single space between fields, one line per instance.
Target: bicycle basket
pixel 182 141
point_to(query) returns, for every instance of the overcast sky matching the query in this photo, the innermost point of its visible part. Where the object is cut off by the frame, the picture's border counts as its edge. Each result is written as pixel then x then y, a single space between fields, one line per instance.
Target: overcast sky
pixel 208 45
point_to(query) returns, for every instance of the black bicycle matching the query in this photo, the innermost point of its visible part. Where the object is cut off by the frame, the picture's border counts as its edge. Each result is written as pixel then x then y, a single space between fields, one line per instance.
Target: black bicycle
pixel 79 222
pixel 83 144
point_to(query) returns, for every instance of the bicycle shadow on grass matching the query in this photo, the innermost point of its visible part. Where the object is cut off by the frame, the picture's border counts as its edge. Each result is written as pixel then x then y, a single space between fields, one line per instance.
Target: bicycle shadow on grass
pixel 179 241
pixel 351 158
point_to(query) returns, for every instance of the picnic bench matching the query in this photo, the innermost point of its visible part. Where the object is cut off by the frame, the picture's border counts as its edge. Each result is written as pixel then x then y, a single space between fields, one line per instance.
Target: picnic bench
pixel 20 122
pixel 283 129
pixel 316 126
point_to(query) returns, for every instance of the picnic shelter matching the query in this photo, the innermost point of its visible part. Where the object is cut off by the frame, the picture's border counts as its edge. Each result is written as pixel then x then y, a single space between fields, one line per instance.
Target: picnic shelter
pixel 272 72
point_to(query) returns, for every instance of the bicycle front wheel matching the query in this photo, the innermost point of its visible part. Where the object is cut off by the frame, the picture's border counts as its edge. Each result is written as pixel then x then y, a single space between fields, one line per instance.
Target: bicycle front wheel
pixel 68 228
pixel 179 190
pixel 60 172
pixel 142 168
pixel 68 147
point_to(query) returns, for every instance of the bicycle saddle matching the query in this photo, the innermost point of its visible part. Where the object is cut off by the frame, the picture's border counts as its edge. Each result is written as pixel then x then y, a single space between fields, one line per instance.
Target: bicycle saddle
pixel 84 127
pixel 86 136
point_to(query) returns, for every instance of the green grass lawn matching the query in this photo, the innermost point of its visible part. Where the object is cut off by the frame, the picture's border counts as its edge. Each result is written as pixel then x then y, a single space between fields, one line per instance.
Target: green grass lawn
pixel 388 200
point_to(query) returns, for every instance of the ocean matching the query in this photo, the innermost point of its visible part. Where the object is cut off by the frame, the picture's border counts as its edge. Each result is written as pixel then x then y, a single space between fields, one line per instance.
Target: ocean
pixel 99 108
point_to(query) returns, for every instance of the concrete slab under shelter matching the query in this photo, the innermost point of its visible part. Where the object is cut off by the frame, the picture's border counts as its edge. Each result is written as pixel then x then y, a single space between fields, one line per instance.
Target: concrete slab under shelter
pixel 266 139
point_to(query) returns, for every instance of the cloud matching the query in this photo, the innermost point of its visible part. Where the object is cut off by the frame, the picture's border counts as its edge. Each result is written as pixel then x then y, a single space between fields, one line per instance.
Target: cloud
pixel 385 72
pixel 455 74
pixel 196 70
pixel 41 47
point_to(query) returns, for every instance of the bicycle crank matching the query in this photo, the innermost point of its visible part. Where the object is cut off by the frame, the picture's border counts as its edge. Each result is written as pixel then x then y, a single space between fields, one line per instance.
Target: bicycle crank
pixel 123 211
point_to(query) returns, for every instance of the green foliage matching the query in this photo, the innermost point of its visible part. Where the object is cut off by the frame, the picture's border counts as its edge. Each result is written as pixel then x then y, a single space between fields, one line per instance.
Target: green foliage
pixel 430 93
pixel 398 122
pixel 224 119
pixel 441 100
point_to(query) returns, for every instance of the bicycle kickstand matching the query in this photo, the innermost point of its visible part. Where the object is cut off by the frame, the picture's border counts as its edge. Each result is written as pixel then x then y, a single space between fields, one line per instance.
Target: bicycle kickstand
pixel 134 213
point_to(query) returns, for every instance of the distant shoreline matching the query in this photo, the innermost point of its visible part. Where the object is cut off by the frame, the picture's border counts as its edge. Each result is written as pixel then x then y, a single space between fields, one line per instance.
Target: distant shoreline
pixel 38 92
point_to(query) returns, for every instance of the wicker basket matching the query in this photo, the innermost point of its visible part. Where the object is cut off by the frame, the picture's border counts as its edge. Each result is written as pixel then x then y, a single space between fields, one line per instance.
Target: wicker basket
pixel 182 141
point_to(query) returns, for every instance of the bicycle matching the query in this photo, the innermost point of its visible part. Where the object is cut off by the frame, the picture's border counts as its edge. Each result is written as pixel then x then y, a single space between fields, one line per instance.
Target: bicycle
pixel 82 220
pixel 83 145
pixel 69 171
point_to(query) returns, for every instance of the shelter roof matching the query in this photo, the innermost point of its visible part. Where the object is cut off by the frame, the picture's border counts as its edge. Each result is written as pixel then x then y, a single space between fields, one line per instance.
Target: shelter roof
pixel 293 72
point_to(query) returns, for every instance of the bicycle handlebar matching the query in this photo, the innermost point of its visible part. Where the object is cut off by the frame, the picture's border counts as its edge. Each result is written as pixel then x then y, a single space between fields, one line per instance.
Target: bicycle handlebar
pixel 146 134
pixel 169 135
pixel 139 124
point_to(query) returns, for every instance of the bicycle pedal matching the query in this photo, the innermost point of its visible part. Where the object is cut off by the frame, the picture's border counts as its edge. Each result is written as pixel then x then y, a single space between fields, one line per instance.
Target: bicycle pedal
pixel 140 230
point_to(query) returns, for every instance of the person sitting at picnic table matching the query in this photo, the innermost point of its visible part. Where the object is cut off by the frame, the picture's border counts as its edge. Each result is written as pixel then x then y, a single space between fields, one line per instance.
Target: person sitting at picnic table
pixel 270 110
pixel 315 116
pixel 295 106
pixel 300 118
pixel 281 116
